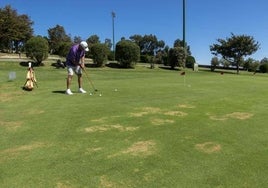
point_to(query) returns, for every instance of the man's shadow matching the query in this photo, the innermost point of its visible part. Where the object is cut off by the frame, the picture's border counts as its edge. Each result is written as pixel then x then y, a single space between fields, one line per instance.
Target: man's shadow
pixel 59 91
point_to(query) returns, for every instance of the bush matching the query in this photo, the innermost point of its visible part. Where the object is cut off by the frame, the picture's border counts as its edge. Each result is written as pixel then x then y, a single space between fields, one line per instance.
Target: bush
pixel 177 57
pixel 127 53
pixel 145 58
pixel 190 61
pixel 214 63
pixel 37 49
pixel 64 48
pixel 100 54
pixel 264 68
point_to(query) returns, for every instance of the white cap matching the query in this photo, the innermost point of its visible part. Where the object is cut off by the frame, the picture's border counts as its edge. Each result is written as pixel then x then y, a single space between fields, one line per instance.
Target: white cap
pixel 84 45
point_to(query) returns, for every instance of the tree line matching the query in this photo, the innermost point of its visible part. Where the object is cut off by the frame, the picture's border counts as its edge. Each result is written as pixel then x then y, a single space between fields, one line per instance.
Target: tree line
pixel 16 35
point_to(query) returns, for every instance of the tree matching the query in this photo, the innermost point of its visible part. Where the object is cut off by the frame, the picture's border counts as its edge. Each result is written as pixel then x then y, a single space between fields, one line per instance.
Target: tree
pixel 236 47
pixel 177 57
pixel 77 39
pixel 179 43
pixel 127 53
pixel 135 38
pixel 251 65
pixel 15 29
pixel 37 49
pixel 64 49
pixel 93 39
pixel 264 65
pixel 224 63
pixel 108 43
pixel 100 53
pixel 214 63
pixel 57 37
pixel 190 61
pixel 149 44
pixel 248 63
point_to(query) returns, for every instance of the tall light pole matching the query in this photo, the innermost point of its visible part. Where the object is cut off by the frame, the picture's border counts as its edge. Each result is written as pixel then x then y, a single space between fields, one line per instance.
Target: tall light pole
pixel 113 16
pixel 184 42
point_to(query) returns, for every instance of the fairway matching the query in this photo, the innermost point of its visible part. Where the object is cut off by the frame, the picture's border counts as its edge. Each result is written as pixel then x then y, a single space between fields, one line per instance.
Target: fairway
pixel 149 128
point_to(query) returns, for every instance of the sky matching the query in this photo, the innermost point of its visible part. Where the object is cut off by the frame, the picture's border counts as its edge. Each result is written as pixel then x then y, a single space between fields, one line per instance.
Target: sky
pixel 206 20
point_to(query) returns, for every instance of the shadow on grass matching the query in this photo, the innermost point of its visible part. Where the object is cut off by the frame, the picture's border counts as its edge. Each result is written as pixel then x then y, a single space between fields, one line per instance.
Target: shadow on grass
pixel 169 68
pixel 34 64
pixel 59 91
pixel 222 72
pixel 91 65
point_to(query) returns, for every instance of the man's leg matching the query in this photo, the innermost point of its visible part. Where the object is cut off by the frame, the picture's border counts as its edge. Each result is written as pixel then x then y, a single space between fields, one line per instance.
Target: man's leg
pixel 81 90
pixel 80 80
pixel 69 80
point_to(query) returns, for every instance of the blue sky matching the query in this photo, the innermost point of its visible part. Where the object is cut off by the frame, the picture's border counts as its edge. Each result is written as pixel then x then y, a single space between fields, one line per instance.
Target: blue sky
pixel 206 20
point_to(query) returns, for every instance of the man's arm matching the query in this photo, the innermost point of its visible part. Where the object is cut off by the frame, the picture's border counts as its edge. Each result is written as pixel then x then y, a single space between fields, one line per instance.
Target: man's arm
pixel 82 62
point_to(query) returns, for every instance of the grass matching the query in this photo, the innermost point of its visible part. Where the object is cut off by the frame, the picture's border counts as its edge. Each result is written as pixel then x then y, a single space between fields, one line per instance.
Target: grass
pixel 159 129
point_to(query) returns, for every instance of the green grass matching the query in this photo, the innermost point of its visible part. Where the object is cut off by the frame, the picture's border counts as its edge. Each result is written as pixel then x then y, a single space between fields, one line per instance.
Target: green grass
pixel 160 129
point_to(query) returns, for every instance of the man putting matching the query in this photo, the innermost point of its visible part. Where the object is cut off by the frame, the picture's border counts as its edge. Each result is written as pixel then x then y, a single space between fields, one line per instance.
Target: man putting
pixel 75 62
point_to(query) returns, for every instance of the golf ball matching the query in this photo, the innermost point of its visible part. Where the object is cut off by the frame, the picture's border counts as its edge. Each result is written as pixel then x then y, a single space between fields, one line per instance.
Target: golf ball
pixel 100 95
pixel 90 93
pixel 115 89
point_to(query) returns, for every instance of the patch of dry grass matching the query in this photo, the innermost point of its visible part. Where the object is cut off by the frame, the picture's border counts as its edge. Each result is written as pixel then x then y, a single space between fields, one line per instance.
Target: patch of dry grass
pixel 208 147
pixel 103 128
pixel 12 125
pixel 234 115
pixel 158 121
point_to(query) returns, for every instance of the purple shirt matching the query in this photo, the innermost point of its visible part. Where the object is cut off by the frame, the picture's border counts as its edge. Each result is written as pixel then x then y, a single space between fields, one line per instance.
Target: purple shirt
pixel 74 55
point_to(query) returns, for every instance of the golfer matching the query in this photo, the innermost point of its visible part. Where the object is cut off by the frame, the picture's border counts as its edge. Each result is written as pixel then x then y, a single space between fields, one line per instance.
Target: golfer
pixel 75 62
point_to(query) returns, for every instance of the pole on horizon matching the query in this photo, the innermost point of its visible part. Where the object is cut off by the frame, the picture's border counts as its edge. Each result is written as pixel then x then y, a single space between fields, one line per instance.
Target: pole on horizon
pixel 184 42
pixel 113 16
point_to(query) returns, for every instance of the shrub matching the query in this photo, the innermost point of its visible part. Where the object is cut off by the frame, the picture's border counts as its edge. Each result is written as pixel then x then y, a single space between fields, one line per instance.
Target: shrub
pixel 190 61
pixel 145 58
pixel 100 54
pixel 214 63
pixel 264 68
pixel 177 57
pixel 127 53
pixel 64 48
pixel 37 49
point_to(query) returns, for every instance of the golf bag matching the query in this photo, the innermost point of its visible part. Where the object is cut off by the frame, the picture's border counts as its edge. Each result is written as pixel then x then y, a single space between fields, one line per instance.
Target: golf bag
pixel 30 79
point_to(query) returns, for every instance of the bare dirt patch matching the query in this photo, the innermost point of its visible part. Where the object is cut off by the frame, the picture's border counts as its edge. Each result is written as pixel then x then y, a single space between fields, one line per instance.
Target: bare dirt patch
pixel 240 115
pixel 208 147
pixel 146 111
pixel 218 118
pixel 23 148
pixel 161 121
pixel 106 183
pixel 10 96
pixel 11 126
pixel 100 120
pixel 10 153
pixel 234 115
pixel 103 128
pixel 142 148
pixel 63 185
pixel 5 97
pixel 176 113
pixel 185 106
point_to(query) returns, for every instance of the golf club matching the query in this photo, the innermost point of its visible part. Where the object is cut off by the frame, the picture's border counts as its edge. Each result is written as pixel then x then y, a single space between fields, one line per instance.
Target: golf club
pixel 90 81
